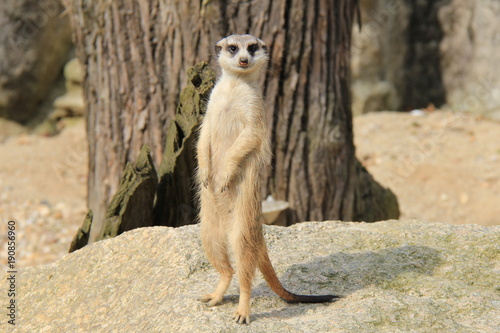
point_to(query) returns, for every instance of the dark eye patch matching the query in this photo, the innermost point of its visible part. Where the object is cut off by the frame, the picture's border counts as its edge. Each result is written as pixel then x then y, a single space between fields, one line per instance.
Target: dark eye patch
pixel 252 48
pixel 232 49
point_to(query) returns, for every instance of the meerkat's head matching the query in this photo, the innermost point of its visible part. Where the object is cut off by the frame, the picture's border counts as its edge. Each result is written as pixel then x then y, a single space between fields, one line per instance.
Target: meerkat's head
pixel 242 54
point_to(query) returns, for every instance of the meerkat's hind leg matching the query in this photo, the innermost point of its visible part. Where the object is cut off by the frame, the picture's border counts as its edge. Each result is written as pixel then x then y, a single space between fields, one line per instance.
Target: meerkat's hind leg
pixel 226 273
pixel 216 297
pixel 246 255
pixel 215 245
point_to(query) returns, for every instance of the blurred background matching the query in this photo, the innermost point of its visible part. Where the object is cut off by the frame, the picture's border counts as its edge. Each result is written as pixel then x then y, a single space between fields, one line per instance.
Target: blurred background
pixel 425 101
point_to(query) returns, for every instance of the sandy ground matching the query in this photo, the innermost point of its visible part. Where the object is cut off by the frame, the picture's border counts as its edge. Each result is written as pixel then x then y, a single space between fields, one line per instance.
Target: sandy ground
pixel 443 167
pixel 43 189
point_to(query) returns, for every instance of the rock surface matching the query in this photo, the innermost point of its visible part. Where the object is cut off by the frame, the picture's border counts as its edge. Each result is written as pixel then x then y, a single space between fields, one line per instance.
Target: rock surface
pixel 396 276
pixel 378 52
pixel 35 40
pixel 71 103
pixel 412 53
pixel 470 53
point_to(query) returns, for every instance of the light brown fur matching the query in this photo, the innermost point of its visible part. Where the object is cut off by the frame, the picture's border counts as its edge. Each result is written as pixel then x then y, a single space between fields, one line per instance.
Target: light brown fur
pixel 232 149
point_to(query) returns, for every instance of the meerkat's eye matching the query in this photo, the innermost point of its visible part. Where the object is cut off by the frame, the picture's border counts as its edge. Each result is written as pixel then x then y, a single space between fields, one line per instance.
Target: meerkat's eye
pixel 232 49
pixel 252 48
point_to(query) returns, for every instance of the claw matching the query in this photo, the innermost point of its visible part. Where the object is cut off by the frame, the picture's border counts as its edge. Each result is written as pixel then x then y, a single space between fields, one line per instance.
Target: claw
pixel 224 184
pixel 242 319
pixel 203 176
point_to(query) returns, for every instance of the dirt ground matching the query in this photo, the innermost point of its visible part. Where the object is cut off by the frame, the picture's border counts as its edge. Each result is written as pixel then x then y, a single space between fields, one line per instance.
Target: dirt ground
pixel 442 166
pixel 43 189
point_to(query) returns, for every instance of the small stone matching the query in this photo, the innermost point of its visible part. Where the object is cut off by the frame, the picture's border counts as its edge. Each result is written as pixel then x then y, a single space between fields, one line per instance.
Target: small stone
pixel 417 113
pixel 72 102
pixel 43 210
pixel 24 139
pixel 58 215
pixel 73 71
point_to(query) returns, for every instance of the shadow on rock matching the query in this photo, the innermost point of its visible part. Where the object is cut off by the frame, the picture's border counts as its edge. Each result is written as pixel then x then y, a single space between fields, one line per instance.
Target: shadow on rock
pixel 343 273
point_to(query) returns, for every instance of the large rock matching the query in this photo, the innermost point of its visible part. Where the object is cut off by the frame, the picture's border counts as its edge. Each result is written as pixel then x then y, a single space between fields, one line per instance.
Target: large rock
pixel 396 60
pixel 470 53
pixel 378 58
pixel 35 40
pixel 413 53
pixel 396 276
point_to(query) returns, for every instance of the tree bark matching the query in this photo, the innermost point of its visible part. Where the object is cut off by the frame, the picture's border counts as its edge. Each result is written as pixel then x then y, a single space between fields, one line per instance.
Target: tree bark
pixel 136 54
pixel 176 199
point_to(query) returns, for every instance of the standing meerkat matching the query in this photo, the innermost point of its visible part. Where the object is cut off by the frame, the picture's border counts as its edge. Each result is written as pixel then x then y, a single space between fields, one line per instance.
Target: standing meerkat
pixel 233 148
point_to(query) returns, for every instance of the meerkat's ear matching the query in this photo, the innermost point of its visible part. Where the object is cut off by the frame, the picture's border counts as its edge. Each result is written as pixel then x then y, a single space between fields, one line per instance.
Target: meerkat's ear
pixel 218 46
pixel 262 44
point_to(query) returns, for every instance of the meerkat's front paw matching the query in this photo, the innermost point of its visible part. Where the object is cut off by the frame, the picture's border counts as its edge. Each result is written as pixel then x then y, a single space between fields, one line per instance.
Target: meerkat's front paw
pixel 211 299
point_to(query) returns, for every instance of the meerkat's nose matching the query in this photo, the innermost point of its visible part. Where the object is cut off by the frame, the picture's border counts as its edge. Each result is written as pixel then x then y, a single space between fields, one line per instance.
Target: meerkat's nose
pixel 243 62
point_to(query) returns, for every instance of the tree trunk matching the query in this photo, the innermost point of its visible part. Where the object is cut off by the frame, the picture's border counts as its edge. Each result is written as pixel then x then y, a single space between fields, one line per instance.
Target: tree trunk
pixel 136 54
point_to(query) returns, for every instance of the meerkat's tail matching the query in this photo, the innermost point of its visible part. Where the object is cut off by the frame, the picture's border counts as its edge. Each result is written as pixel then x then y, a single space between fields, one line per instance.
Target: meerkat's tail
pixel 274 283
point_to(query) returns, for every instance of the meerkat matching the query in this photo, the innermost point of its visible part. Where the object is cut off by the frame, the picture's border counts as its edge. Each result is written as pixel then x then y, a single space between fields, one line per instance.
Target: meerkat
pixel 233 147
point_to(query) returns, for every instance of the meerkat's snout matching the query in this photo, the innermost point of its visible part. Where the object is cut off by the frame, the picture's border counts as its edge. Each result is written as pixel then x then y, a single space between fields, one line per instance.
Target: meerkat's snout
pixel 244 62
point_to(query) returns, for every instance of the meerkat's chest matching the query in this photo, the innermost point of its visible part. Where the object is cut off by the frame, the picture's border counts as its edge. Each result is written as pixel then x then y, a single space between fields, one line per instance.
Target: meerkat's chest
pixel 229 109
pixel 225 122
